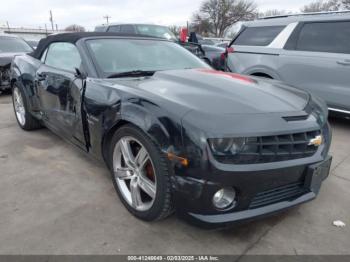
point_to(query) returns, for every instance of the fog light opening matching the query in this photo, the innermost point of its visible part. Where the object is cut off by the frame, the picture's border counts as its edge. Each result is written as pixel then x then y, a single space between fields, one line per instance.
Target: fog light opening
pixel 225 198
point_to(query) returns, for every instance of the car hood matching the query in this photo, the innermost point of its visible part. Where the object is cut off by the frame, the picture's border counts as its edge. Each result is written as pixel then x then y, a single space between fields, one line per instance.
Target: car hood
pixel 215 92
pixel 6 58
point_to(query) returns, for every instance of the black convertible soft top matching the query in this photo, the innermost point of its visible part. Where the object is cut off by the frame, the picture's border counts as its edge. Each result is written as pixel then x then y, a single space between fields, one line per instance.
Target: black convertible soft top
pixel 73 38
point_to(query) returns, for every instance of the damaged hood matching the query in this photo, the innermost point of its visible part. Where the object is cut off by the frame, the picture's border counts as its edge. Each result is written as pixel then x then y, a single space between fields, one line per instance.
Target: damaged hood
pixel 6 58
pixel 218 93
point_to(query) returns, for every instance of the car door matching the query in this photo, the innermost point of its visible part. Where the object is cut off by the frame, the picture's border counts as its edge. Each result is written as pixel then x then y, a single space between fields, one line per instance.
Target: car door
pixel 317 58
pixel 60 91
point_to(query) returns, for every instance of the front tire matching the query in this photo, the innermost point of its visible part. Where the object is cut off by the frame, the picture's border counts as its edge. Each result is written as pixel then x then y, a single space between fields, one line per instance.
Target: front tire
pixel 140 174
pixel 20 105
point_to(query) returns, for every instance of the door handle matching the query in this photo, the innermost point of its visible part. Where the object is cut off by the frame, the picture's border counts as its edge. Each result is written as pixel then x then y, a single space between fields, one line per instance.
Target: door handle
pixel 344 62
pixel 40 76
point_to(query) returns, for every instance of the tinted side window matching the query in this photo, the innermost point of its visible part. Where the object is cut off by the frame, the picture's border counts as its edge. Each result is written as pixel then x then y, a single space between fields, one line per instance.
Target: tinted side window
pixel 258 36
pixel 63 56
pixel 129 29
pixel 332 37
pixel 114 28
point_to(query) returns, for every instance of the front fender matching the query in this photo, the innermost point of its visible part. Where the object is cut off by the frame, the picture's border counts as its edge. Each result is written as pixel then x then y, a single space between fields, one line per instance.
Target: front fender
pixel 150 118
pixel 23 70
pixel 15 73
pixel 113 108
pixel 161 128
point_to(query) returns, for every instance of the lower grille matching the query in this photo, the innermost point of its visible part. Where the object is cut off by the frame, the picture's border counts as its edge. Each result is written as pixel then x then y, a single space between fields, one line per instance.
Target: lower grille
pixel 279 194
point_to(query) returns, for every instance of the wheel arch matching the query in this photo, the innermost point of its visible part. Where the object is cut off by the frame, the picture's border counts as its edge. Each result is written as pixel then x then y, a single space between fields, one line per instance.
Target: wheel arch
pixel 27 85
pixel 27 92
pixel 15 75
pixel 263 72
pixel 262 75
pixel 161 130
pixel 108 135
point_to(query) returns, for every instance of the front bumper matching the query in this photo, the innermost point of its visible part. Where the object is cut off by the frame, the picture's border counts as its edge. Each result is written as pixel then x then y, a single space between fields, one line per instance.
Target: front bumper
pixel 260 193
pixel 5 78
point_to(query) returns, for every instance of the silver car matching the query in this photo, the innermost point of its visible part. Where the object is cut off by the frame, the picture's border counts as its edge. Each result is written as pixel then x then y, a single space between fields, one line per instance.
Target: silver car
pixel 309 51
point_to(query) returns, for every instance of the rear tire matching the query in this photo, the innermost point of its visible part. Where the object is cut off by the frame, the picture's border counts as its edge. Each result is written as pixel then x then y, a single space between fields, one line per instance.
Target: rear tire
pixel 20 105
pixel 148 172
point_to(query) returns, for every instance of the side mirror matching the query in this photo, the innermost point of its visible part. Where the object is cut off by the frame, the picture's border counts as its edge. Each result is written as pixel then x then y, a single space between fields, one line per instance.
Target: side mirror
pixel 80 74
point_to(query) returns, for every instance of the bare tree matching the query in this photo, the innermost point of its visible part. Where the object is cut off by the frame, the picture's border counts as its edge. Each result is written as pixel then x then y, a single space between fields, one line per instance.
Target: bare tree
pixel 322 6
pixel 175 29
pixel 75 28
pixel 218 15
pixel 346 4
pixel 201 25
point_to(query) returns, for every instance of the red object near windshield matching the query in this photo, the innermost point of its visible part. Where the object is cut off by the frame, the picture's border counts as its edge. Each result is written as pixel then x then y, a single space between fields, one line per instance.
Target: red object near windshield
pixel 183 34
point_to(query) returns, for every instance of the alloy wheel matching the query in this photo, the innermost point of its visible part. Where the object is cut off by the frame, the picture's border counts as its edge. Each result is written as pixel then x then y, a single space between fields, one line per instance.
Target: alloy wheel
pixel 19 106
pixel 134 173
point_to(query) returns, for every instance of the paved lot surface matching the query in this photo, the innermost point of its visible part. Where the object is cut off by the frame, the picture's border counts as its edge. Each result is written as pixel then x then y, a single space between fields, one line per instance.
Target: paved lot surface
pixel 55 200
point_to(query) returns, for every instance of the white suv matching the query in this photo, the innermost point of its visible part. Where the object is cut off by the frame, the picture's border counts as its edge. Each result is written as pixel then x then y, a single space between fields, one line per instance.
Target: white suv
pixel 309 51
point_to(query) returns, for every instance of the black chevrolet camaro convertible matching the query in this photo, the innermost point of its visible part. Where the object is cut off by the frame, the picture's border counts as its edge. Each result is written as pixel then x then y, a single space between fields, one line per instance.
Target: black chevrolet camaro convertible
pixel 215 147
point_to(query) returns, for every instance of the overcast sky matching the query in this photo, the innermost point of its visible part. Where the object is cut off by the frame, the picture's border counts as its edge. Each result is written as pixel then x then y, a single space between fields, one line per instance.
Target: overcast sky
pixel 88 13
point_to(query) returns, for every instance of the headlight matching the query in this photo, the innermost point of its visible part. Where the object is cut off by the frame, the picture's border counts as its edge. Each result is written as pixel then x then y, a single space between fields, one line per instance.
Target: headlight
pixel 319 109
pixel 224 146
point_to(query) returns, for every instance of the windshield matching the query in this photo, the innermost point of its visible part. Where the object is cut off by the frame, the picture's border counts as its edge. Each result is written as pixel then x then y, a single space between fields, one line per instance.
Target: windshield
pixel 157 31
pixel 14 45
pixel 124 55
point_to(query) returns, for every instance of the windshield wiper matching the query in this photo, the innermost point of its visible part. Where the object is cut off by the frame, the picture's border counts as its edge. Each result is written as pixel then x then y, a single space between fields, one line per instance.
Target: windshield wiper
pixel 132 73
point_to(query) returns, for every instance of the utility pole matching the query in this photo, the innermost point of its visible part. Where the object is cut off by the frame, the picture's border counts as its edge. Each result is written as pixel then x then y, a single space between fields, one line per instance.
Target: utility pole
pixel 51 20
pixel 8 26
pixel 107 18
pixel 56 27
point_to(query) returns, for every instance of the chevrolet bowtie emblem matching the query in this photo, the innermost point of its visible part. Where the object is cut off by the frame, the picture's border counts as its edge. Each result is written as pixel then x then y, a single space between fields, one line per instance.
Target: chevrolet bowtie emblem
pixel 317 141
